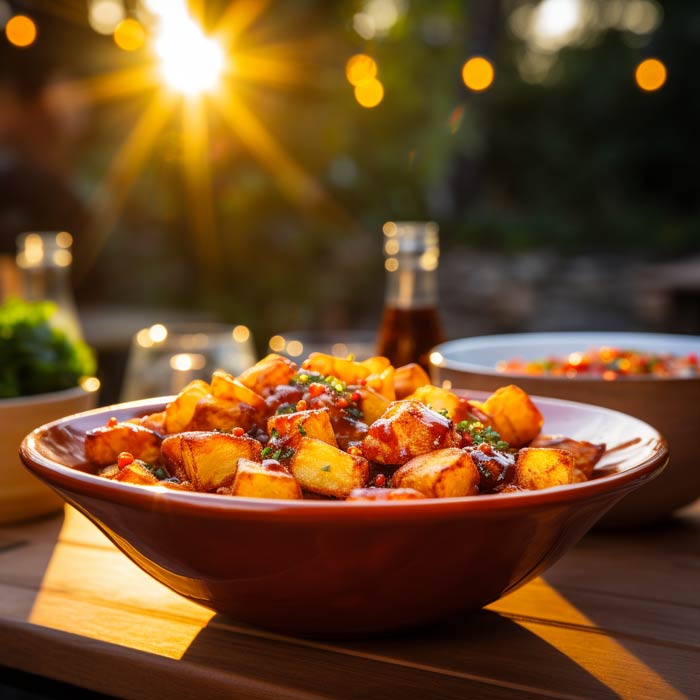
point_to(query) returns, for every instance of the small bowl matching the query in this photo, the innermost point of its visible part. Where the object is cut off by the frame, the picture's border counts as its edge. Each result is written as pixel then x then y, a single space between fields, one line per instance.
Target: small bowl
pixel 672 405
pixel 22 495
pixel 346 569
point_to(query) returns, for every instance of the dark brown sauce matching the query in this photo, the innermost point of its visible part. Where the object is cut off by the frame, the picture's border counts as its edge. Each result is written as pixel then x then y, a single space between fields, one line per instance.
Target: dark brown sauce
pixel 408 335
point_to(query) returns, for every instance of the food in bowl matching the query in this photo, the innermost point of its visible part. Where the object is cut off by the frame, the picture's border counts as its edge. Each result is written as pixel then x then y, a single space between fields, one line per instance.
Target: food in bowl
pixel 338 429
pixel 608 363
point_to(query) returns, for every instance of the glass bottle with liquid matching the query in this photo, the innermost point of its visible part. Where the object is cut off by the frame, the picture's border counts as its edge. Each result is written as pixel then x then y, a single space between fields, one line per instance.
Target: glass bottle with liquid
pixel 411 324
pixel 45 260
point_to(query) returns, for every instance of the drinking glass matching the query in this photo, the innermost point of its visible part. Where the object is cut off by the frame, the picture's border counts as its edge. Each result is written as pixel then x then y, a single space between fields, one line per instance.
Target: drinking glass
pixel 163 359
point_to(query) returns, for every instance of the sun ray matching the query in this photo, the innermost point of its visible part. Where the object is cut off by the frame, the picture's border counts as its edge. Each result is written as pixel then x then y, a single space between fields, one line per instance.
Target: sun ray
pixel 268 70
pixel 291 178
pixel 238 17
pixel 199 186
pixel 117 84
pixel 107 200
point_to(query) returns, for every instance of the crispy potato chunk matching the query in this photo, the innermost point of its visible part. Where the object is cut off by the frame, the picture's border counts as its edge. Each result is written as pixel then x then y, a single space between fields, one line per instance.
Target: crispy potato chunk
pixel 376 365
pixel 254 480
pixel 407 429
pixel 439 474
pixel 226 387
pixel 408 378
pixel 543 467
pixel 211 413
pixel 441 400
pixel 348 371
pixel 323 469
pixel 179 412
pixel 136 473
pixel 268 373
pixel 586 454
pixel 103 445
pixel 377 495
pixel 383 383
pixel 154 422
pixel 291 427
pixel 372 404
pixel 208 460
pixel 512 415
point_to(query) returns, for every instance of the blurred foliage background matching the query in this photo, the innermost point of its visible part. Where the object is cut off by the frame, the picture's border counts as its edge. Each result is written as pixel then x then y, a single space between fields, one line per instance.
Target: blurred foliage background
pixel 563 157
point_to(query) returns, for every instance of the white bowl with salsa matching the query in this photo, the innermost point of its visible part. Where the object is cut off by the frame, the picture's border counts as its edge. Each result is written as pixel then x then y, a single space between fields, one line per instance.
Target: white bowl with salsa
pixel 661 386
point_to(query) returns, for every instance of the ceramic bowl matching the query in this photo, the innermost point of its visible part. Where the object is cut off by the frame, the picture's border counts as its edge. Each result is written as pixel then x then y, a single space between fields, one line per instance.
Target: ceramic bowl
pixel 346 569
pixel 671 405
pixel 22 495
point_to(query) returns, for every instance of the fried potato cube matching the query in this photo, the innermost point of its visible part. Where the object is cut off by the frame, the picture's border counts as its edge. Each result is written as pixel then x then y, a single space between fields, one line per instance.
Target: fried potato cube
pixel 291 427
pixel 179 412
pixel 268 373
pixel 253 480
pixel 441 400
pixel 543 467
pixel 108 472
pixel 407 429
pixel 408 378
pixel 383 383
pixel 103 444
pixel 211 413
pixel 208 460
pixel 440 474
pixel 348 371
pixel 372 404
pixel 377 364
pixel 154 422
pixel 136 473
pixel 377 495
pixel 323 469
pixel 586 454
pixel 226 387
pixel 513 415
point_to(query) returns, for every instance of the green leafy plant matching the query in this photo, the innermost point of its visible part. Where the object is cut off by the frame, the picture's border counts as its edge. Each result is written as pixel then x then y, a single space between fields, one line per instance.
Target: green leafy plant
pixel 36 356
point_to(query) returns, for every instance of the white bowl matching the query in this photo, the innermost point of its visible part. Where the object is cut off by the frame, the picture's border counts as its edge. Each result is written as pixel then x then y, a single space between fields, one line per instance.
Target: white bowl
pixel 671 405
pixel 22 495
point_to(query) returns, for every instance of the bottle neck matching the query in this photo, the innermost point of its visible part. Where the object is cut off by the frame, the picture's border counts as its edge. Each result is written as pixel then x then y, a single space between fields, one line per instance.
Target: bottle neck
pixel 52 283
pixel 410 285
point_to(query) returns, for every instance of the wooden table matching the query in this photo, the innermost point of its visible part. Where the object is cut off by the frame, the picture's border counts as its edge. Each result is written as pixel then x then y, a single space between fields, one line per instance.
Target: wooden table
pixel 617 617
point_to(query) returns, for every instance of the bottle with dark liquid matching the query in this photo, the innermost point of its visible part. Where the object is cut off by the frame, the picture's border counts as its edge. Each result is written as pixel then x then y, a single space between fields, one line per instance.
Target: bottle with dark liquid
pixel 410 326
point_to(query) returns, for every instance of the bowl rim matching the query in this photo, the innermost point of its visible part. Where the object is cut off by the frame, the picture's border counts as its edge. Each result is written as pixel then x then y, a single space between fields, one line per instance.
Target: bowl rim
pixel 47 397
pixel 163 499
pixel 506 340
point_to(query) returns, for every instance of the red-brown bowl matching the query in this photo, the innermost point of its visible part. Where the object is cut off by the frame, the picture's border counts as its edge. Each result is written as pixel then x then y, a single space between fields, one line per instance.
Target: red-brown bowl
pixel 341 569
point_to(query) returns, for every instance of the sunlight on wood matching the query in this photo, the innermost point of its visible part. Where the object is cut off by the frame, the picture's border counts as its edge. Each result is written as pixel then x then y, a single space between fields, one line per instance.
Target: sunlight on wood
pixel 605 659
pixel 169 634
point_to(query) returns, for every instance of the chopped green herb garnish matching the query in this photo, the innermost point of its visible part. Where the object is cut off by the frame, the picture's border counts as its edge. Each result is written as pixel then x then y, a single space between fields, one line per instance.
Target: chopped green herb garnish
pixel 266 451
pixel 274 434
pixel 444 412
pixel 301 429
pixel 286 453
pixel 285 408
pixel 481 433
pixel 327 468
pixel 355 412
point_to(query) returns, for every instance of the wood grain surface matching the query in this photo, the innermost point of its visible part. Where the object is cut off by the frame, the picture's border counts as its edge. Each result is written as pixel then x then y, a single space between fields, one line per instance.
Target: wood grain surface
pixel 617 617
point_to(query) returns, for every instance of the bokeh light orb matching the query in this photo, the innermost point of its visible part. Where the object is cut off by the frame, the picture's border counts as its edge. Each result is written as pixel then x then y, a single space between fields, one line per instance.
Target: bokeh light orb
pixel 369 93
pixel 129 35
pixel 360 68
pixel 21 31
pixel 650 75
pixel 478 73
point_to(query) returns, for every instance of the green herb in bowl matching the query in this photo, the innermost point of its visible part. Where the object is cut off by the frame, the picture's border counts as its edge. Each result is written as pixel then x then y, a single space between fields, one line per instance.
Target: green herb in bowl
pixel 36 356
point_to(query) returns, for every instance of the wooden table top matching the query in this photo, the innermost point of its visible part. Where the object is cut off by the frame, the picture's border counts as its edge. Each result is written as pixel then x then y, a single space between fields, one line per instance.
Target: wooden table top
pixel 617 617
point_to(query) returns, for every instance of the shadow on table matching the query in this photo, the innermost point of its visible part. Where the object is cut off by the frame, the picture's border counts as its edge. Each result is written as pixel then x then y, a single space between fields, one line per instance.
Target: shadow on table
pixel 482 655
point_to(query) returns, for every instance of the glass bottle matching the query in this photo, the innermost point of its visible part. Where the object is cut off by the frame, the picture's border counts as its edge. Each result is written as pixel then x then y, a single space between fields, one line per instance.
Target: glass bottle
pixel 45 260
pixel 410 325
